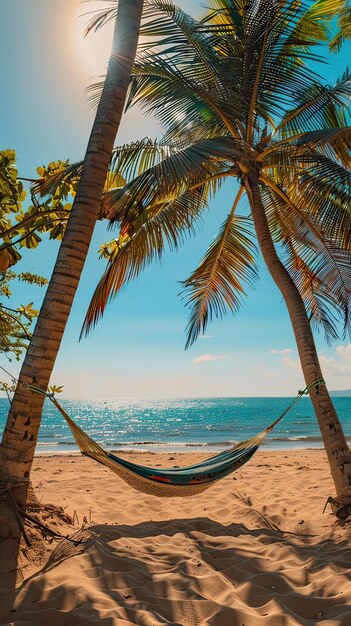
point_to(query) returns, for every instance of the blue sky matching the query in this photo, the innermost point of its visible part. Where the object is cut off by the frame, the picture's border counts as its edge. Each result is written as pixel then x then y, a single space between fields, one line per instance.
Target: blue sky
pixel 138 348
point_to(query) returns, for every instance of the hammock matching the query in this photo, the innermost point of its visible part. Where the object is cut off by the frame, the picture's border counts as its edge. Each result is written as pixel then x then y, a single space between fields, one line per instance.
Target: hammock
pixel 171 482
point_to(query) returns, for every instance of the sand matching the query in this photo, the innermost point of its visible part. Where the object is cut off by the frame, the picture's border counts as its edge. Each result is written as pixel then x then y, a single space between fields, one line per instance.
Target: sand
pixel 255 549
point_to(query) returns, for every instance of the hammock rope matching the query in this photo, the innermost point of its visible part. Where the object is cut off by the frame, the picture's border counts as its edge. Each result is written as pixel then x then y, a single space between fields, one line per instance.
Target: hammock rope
pixel 170 482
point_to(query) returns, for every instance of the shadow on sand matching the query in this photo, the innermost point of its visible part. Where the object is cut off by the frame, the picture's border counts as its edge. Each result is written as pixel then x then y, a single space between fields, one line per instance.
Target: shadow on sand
pixel 188 572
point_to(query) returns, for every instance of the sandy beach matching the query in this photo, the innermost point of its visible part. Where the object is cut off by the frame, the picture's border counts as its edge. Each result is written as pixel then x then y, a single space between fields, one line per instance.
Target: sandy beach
pixel 255 549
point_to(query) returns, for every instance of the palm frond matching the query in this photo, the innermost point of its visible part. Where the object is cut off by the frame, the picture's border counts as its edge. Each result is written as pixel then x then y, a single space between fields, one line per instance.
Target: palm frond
pixel 101 17
pixel 324 192
pixel 217 284
pixel 321 314
pixel 159 227
pixel 184 166
pixel 184 40
pixel 317 107
pixel 318 186
pixel 319 264
pixel 324 281
pixel 127 162
pixel 179 98
pixel 335 143
pixel 315 22
pixel 344 29
pixel 131 160
pixel 48 185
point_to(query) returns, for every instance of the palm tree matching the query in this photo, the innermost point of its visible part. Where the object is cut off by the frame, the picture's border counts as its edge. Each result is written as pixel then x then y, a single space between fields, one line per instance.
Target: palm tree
pixel 238 98
pixel 20 435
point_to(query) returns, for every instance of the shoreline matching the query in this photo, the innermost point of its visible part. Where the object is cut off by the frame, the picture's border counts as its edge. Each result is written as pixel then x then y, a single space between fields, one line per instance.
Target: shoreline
pixel 206 449
pixel 201 452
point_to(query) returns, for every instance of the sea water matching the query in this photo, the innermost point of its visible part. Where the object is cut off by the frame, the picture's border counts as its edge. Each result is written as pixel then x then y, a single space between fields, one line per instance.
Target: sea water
pixel 181 424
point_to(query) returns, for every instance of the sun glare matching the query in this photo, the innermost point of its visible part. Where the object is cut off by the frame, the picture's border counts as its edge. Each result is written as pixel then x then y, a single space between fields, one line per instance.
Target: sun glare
pixel 92 52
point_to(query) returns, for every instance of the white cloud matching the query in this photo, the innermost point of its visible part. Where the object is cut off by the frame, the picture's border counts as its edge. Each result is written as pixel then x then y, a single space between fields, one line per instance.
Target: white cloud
pixel 283 352
pixel 344 352
pixel 291 364
pixel 205 358
pixel 205 336
pixel 288 361
pixel 335 368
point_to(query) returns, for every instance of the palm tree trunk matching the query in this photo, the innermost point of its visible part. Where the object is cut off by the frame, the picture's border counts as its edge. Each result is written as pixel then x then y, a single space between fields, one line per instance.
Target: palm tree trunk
pixel 337 450
pixel 20 435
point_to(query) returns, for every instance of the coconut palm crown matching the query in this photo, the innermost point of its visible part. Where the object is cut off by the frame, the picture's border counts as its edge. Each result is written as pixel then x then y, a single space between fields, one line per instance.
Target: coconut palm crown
pixel 239 96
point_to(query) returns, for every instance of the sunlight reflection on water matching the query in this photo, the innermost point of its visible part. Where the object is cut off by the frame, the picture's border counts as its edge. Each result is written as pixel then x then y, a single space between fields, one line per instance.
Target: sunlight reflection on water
pixel 181 423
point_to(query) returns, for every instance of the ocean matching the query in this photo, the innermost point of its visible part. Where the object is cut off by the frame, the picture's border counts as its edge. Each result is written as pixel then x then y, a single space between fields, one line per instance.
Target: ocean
pixel 188 424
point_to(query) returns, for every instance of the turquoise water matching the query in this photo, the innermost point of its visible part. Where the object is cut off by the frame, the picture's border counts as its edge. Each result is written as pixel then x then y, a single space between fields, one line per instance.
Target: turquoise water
pixel 182 424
